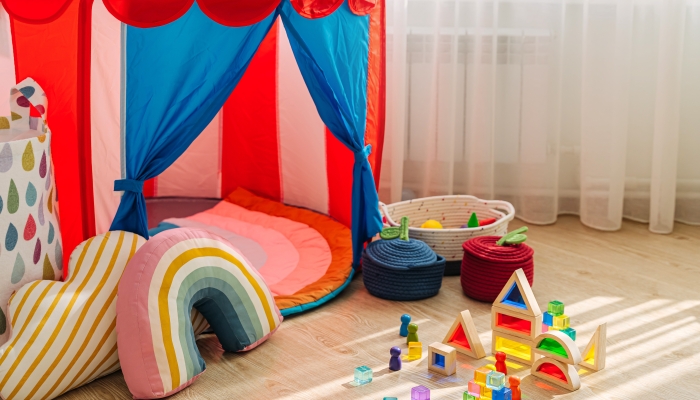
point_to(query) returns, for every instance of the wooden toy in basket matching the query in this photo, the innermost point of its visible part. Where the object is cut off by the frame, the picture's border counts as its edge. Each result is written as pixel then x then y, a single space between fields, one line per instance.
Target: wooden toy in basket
pixel 452 212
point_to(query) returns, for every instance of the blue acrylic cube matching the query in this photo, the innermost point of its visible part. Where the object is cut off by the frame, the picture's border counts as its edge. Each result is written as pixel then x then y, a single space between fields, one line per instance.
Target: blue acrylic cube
pixel 420 393
pixel 495 380
pixel 390 398
pixel 363 375
pixel 548 319
pixel 502 394
pixel 571 332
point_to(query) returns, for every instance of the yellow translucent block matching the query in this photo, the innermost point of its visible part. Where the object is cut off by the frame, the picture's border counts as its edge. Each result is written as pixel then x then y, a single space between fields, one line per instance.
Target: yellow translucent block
pixel 480 375
pixel 415 350
pixel 513 348
pixel 590 357
pixel 486 393
pixel 560 322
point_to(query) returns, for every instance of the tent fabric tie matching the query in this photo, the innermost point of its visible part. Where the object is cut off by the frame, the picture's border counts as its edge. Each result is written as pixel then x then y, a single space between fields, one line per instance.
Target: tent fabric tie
pixel 128 185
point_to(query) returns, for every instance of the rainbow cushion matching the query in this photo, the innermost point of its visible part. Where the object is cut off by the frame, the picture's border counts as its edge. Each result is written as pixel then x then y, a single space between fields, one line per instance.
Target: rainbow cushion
pixel 174 272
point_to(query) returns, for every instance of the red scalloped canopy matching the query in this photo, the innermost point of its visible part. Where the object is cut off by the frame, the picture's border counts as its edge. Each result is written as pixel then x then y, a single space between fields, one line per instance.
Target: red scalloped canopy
pixel 35 11
pixel 150 13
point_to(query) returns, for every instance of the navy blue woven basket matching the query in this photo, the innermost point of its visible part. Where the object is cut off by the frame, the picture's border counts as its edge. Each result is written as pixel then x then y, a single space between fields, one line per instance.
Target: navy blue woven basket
pixel 402 270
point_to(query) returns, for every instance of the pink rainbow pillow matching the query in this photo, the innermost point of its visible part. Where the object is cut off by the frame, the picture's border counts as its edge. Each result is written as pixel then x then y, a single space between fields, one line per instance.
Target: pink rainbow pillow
pixel 172 273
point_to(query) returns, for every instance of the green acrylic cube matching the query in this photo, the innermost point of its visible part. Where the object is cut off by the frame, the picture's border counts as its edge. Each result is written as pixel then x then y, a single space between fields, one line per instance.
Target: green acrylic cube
pixel 469 396
pixel 571 332
pixel 555 307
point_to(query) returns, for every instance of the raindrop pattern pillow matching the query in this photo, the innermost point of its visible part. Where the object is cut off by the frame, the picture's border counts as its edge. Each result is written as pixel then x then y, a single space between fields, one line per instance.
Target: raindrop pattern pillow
pixel 30 239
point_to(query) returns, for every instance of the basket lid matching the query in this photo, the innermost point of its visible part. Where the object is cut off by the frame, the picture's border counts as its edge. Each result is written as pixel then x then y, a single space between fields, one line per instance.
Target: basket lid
pixel 485 248
pixel 407 254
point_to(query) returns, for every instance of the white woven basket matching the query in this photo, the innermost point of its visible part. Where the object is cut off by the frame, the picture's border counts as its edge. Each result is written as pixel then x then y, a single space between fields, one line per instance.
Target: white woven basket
pixel 452 212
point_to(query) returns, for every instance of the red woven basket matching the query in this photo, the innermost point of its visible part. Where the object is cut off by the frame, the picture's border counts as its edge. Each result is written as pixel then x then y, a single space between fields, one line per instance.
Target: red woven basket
pixel 486 267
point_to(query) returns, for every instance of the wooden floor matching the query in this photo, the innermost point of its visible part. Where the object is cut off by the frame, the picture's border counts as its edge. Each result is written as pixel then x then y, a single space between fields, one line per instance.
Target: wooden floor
pixel 646 287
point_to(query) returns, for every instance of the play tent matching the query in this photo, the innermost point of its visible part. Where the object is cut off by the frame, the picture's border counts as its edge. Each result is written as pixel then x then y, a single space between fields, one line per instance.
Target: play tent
pixel 288 96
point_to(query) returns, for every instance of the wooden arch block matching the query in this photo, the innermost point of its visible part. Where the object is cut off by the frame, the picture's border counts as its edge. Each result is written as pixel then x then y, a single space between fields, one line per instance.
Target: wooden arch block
pixel 559 346
pixel 557 373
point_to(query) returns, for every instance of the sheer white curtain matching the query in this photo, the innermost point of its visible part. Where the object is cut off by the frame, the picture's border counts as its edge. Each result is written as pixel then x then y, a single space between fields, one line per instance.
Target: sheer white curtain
pixel 558 106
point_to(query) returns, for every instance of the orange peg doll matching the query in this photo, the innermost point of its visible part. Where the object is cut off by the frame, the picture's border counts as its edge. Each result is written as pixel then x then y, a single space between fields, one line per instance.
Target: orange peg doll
pixel 514 382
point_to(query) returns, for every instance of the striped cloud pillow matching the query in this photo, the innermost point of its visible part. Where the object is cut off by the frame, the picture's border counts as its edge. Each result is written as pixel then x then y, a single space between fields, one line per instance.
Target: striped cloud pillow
pixel 63 333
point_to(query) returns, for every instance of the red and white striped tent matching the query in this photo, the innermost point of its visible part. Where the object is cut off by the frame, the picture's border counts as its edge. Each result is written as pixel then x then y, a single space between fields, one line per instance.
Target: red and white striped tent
pixel 267 138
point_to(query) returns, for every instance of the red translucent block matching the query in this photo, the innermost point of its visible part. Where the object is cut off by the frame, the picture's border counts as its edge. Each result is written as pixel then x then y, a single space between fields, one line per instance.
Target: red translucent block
pixel 460 338
pixel 552 370
pixel 513 323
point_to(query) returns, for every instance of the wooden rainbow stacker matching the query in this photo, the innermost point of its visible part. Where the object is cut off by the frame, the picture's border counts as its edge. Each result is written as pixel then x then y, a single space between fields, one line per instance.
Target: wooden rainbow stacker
pixel 516 320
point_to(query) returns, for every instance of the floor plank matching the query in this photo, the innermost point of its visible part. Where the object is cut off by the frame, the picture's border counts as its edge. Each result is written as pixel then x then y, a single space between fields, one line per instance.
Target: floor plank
pixel 644 285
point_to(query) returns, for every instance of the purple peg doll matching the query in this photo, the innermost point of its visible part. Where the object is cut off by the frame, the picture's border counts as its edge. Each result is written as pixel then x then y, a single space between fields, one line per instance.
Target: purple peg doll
pixel 395 361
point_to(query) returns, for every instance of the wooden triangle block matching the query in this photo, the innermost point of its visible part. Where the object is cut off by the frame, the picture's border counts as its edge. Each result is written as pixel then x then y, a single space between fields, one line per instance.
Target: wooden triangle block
pixel 594 355
pixel 557 373
pixel 464 337
pixel 517 296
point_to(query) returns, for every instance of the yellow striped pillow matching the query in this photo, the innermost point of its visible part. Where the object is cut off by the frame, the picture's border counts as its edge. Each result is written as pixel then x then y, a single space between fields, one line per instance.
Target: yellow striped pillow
pixel 63 333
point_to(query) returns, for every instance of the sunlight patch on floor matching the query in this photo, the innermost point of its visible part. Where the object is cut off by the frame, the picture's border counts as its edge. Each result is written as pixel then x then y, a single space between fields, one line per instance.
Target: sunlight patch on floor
pixel 381 333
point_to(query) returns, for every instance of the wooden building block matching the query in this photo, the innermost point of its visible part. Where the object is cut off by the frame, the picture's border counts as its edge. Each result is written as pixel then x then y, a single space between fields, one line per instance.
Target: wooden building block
pixel 559 346
pixel 517 296
pixel 557 373
pixel 442 359
pixel 516 348
pixel 514 323
pixel 594 354
pixel 464 337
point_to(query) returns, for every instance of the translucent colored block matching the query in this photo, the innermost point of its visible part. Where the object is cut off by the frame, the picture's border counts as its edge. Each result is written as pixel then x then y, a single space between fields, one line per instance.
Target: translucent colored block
pixel 513 323
pixel 560 322
pixel 547 319
pixel 570 332
pixel 502 394
pixel 552 370
pixel 390 398
pixel 513 348
pixel 469 396
pixel 545 328
pixel 460 338
pixel 555 307
pixel 495 380
pixel 439 360
pixel 590 357
pixel 485 393
pixel 514 298
pixel 474 388
pixel 363 375
pixel 420 393
pixel 480 375
pixel 552 346
pixel 415 350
